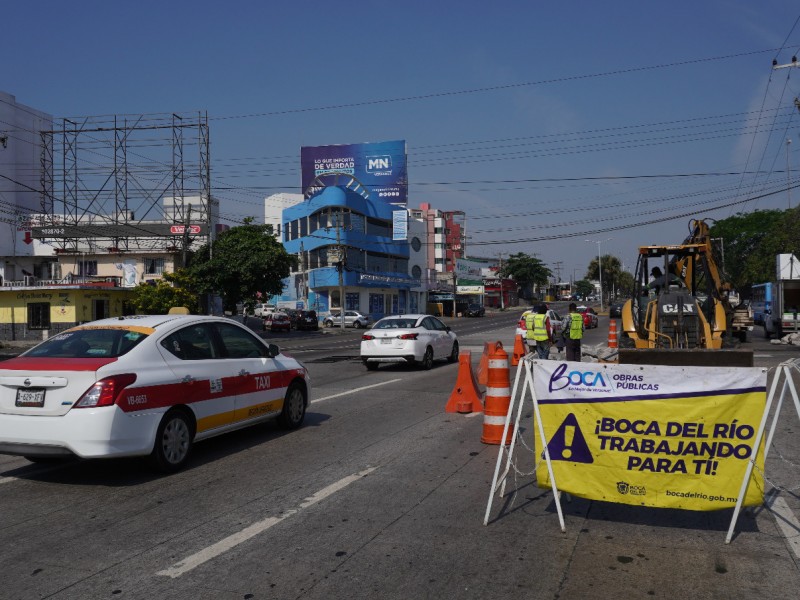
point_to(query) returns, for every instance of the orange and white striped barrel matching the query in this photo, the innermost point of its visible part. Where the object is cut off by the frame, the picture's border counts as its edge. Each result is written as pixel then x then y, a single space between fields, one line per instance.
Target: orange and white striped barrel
pixel 612 334
pixel 497 398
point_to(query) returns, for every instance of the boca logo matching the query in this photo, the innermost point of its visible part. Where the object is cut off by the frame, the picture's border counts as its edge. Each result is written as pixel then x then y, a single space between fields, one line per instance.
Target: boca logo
pixel 559 380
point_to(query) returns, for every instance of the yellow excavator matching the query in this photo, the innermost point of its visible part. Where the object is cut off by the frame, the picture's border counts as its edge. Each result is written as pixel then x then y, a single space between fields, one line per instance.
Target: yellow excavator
pixel 682 302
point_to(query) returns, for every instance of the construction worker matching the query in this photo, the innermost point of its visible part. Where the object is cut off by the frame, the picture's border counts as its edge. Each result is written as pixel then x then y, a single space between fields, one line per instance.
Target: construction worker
pixel 539 332
pixel 572 328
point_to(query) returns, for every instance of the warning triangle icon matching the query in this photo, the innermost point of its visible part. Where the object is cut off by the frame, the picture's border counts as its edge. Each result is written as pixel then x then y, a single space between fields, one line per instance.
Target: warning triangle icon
pixel 568 443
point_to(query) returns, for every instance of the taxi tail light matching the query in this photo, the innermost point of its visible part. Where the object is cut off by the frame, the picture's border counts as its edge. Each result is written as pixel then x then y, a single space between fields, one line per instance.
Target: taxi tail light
pixel 367 337
pixel 106 391
pixel 408 336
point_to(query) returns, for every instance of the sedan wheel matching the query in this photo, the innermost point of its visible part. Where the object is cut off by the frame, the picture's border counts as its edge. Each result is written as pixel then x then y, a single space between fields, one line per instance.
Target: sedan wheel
pixel 294 408
pixel 454 354
pixel 427 359
pixel 173 442
pixel 357 325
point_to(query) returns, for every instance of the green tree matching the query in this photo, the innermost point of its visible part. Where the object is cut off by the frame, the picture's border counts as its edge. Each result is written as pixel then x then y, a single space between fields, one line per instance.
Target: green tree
pixel 242 262
pixel 175 289
pixel 528 271
pixel 612 267
pixel 625 283
pixel 584 287
pixel 749 243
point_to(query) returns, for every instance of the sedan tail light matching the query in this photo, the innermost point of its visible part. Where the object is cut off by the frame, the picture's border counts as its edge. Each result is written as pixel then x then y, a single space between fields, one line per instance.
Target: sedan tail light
pixel 367 337
pixel 408 336
pixel 106 391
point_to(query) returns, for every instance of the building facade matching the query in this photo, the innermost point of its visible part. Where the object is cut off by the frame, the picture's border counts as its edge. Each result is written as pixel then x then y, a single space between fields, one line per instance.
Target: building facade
pixel 347 255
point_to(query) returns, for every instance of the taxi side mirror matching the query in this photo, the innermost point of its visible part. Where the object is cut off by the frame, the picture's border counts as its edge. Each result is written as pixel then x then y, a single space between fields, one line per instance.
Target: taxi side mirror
pixel 274 350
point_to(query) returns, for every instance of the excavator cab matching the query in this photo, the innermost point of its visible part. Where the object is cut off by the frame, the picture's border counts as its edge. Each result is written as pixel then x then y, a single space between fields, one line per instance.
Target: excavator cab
pixel 671 307
pixel 684 318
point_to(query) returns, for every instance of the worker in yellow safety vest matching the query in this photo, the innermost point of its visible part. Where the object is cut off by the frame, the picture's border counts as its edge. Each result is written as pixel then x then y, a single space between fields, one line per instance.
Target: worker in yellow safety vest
pixel 572 327
pixel 539 332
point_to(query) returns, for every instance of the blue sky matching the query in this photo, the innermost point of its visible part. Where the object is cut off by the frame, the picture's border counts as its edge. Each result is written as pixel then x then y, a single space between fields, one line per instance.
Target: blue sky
pixel 541 120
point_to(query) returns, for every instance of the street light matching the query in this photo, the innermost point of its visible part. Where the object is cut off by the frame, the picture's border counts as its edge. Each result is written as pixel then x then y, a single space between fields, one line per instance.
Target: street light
pixel 600 267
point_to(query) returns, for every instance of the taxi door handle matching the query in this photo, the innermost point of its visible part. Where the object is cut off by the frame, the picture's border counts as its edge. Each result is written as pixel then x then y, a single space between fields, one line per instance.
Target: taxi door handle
pixel 187 379
pixel 242 373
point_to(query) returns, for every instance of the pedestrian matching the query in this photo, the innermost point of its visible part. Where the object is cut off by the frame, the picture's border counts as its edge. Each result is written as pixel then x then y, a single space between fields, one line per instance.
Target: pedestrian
pixel 539 332
pixel 572 328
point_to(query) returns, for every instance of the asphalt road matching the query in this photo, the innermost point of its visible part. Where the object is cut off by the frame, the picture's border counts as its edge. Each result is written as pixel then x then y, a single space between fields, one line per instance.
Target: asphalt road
pixel 380 495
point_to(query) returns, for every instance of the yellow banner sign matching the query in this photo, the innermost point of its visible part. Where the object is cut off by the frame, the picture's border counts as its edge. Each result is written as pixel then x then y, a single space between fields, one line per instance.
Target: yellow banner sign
pixel 670 437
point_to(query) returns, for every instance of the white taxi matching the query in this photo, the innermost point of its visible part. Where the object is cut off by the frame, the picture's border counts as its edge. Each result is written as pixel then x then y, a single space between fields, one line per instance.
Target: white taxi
pixel 413 339
pixel 145 386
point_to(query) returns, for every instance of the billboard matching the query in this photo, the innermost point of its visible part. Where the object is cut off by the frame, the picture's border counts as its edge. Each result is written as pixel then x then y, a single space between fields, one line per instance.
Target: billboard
pixel 380 167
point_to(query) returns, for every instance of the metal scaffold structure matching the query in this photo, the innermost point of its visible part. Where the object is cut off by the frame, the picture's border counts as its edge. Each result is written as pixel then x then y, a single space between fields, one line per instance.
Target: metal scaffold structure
pixel 123 183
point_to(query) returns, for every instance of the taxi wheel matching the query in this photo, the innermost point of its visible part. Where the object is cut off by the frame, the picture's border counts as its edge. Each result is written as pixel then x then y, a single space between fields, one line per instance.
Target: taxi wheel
pixel 454 354
pixel 173 442
pixel 427 359
pixel 294 408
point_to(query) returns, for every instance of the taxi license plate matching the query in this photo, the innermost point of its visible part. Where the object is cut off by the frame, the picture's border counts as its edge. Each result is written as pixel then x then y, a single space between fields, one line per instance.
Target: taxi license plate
pixel 33 397
pixel 386 340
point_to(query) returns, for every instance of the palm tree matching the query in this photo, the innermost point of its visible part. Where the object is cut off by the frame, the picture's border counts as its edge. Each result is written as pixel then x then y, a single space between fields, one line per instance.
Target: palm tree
pixel 612 268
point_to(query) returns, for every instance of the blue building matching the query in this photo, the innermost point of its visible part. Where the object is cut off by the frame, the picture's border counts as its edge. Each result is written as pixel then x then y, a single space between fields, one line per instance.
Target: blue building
pixel 338 228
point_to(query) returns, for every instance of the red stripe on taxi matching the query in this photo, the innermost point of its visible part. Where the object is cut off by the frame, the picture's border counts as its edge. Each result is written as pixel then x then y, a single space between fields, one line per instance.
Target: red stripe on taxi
pixel 170 394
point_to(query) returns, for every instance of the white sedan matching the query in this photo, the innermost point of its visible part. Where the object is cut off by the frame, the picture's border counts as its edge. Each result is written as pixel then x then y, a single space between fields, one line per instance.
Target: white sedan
pixel 145 386
pixel 418 339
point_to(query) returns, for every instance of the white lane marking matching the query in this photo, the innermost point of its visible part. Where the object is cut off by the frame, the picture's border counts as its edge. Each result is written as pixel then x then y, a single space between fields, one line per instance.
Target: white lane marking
pixel 206 554
pixel 353 391
pixel 474 414
pixel 7 479
pixel 787 522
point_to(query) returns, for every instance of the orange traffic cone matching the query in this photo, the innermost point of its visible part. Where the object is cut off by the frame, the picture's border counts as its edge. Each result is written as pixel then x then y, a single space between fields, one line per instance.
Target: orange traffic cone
pixel 483 365
pixel 612 334
pixel 519 351
pixel 466 397
pixel 498 398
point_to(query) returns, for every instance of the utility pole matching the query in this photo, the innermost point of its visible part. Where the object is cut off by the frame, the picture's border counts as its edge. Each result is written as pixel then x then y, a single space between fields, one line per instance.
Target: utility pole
pixel 340 267
pixel 500 275
pixel 186 226
pixel 305 282
pixel 600 267
pixel 455 291
pixel 788 174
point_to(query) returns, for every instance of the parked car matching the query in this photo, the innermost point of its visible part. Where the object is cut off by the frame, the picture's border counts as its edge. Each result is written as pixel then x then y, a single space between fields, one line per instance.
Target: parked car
pixel 352 318
pixel 145 386
pixel 555 323
pixel 263 309
pixel 416 339
pixel 292 314
pixel 277 321
pixel 615 310
pixel 475 310
pixel 590 320
pixel 306 320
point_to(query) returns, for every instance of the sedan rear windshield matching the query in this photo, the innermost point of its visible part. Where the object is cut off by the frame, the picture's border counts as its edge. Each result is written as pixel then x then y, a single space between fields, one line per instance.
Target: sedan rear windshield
pixel 395 324
pixel 89 343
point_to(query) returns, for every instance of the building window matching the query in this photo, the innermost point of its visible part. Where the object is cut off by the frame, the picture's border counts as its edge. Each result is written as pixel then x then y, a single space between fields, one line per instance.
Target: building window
pixel 39 315
pixel 153 266
pixel 376 304
pixel 416 244
pixel 351 301
pixel 416 272
pixel 87 268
